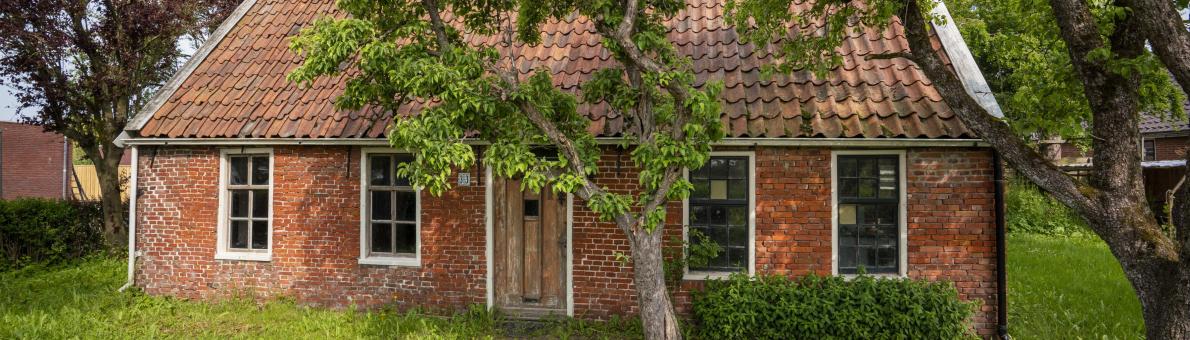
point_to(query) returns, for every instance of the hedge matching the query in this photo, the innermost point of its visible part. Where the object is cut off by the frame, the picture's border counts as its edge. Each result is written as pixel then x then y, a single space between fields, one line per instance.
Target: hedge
pixel 34 230
pixel 816 307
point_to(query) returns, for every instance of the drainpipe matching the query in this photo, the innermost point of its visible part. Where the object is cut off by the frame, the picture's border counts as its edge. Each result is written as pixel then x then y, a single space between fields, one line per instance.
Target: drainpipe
pixel 1001 276
pixel 132 221
pixel 65 165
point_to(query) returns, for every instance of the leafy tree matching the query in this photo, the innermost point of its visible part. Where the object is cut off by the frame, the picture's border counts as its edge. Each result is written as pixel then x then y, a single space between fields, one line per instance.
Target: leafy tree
pixel 85 66
pixel 405 53
pixel 1105 44
pixel 1018 46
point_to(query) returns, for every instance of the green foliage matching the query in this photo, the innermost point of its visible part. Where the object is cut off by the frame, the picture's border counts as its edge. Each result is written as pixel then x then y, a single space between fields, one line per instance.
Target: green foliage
pixel 80 299
pixel 47 231
pixel 1019 48
pixel 461 91
pixel 834 307
pixel 1068 288
pixel 682 254
pixel 1034 212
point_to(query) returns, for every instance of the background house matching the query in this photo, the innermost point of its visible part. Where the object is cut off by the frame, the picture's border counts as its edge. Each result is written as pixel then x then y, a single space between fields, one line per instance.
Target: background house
pixel 33 163
pixel 1163 152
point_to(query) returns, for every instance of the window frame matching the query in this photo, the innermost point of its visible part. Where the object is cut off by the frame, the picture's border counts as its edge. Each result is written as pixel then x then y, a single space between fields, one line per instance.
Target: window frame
pixel 709 275
pixel 1144 150
pixel 223 250
pixel 365 256
pixel 902 206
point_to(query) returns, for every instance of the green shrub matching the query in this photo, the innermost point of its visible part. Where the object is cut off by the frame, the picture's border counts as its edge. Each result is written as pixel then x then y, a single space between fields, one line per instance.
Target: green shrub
pixel 47 231
pixel 816 307
pixel 1034 212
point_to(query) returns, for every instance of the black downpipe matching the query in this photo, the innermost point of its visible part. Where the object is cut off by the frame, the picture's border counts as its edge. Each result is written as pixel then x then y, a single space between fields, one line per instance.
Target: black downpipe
pixel 1001 275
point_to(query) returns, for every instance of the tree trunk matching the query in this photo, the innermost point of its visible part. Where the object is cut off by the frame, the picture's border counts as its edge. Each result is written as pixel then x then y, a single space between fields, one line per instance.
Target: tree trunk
pixel 656 310
pixel 107 169
pixel 1165 304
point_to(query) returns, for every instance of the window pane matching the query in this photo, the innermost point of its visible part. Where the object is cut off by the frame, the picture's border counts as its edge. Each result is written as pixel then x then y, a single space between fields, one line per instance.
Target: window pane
pixel 399 180
pixel 717 234
pixel 239 234
pixel 718 189
pixel 847 167
pixel 239 203
pixel 239 171
pixel 718 215
pixel 260 203
pixel 260 170
pixel 702 189
pixel 406 206
pixel 380 170
pixel 867 188
pixel 846 257
pixel 737 257
pixel 382 238
pixel 260 235
pixel 847 214
pixel 532 208
pixel 738 236
pixel 406 239
pixel 382 205
pixel 698 215
pixel 848 188
pixel 718 168
pixel 737 189
pixel 886 257
pixel 737 168
pixel 867 236
pixel 867 168
pixel 737 216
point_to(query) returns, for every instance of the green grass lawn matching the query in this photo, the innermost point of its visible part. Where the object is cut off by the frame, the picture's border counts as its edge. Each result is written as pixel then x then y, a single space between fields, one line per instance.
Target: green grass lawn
pixel 1068 288
pixel 1058 288
pixel 80 300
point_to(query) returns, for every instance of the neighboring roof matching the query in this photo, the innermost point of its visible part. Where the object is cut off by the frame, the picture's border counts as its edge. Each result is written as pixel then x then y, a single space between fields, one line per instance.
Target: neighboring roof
pixel 239 89
pixel 1173 163
pixel 1155 124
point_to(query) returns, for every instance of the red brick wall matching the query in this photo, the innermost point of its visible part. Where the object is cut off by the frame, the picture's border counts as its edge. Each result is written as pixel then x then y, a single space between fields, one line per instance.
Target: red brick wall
pixel 31 162
pixel 1171 148
pixel 316 231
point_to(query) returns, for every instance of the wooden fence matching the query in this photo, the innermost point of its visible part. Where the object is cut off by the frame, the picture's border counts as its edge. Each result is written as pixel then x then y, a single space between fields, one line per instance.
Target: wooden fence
pixel 87 180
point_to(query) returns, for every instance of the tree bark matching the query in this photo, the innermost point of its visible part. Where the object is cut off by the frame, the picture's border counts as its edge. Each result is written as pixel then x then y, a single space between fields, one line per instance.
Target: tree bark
pixel 107 169
pixel 656 309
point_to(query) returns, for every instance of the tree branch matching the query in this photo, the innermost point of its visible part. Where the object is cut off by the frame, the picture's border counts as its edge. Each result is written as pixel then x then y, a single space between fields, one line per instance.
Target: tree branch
pixel 1013 149
pixel 1162 25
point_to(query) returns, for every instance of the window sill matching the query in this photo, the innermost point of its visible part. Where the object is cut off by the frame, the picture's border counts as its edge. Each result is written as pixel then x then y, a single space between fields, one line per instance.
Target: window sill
pixel 243 256
pixel 878 276
pixel 391 261
pixel 703 276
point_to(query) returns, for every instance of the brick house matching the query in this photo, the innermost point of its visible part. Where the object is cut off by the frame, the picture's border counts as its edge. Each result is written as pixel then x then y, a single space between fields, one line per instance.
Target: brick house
pixel 33 163
pixel 243 181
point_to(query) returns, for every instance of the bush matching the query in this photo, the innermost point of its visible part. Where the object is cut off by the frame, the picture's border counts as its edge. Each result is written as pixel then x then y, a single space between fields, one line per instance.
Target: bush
pixel 48 231
pixel 815 307
pixel 1031 211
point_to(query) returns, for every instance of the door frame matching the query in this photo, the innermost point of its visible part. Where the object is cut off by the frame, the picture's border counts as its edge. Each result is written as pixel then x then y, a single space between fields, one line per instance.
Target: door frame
pixel 489 243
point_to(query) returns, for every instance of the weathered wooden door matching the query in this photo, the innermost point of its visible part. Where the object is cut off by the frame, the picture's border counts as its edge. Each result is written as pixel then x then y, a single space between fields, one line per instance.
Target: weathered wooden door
pixel 529 252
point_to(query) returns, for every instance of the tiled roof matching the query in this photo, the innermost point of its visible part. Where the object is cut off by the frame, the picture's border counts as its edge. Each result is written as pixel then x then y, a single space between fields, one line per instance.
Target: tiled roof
pixel 240 90
pixel 1150 123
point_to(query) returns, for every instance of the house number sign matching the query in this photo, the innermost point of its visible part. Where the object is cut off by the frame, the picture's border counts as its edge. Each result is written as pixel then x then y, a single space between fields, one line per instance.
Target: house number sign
pixel 464 179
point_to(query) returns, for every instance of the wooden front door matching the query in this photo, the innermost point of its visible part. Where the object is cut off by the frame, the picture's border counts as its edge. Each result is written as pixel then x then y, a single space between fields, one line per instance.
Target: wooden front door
pixel 529 255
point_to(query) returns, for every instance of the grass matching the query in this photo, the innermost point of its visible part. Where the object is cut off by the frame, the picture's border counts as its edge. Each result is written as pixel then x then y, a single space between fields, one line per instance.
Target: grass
pixel 1068 288
pixel 80 300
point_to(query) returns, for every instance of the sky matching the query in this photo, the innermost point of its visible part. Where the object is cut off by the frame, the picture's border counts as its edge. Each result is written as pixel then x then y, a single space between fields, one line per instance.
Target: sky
pixel 8 105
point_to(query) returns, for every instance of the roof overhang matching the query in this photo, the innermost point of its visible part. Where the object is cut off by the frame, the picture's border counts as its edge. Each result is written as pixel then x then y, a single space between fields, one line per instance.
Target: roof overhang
pixel 743 142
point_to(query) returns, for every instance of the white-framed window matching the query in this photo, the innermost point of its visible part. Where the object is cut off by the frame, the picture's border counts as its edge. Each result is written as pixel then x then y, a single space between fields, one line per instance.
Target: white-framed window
pixel 868 205
pixel 390 211
pixel 723 207
pixel 245 227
